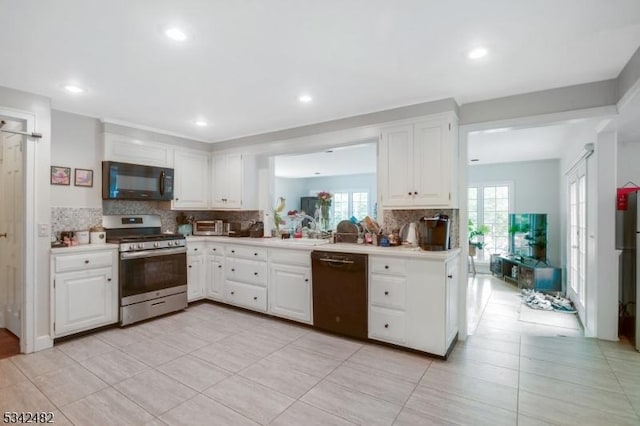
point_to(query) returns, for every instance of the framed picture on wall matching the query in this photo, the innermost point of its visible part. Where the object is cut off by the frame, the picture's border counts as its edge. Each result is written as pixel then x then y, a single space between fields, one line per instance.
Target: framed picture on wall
pixel 83 177
pixel 60 175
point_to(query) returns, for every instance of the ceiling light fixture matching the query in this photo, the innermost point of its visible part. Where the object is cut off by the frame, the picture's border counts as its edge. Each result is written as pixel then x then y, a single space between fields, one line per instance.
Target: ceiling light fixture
pixel 305 99
pixel 201 123
pixel 477 53
pixel 175 34
pixel 73 89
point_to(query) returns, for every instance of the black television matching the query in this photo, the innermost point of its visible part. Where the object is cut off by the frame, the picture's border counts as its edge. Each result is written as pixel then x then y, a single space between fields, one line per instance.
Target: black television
pixel 528 235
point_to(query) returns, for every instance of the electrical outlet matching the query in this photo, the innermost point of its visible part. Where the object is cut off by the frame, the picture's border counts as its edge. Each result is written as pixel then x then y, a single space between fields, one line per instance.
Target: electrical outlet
pixel 43 230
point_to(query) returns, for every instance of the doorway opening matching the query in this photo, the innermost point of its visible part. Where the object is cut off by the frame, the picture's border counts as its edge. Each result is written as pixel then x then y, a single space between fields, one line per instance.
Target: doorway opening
pixel 12 235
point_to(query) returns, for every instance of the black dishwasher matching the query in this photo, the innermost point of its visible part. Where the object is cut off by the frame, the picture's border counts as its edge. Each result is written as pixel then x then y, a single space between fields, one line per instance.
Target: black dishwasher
pixel 340 292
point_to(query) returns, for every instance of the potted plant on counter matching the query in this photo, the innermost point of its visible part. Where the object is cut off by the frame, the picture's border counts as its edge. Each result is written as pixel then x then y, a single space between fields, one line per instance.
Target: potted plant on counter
pixel 474 233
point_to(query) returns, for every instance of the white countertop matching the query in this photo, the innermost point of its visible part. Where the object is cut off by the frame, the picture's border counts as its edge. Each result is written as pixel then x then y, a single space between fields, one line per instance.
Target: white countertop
pixel 311 244
pixel 84 247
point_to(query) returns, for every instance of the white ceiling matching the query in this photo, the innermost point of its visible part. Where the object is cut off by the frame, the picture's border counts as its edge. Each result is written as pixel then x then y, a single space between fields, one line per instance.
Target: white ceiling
pixel 245 62
pixel 347 160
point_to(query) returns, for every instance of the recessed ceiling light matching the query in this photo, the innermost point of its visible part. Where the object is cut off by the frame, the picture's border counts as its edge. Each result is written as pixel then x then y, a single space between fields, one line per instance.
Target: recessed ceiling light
pixel 305 99
pixel 73 89
pixel 201 123
pixel 477 53
pixel 175 34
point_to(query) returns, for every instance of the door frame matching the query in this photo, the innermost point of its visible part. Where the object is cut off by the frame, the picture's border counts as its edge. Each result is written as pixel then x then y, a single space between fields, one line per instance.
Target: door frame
pixel 565 117
pixel 29 254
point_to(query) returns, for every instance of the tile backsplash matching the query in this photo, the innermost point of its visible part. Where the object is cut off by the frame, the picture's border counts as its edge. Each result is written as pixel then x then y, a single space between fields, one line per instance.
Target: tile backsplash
pixel 72 218
pixel 394 219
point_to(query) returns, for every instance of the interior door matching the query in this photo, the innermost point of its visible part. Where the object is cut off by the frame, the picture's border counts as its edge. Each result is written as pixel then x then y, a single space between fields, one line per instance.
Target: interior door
pixel 11 231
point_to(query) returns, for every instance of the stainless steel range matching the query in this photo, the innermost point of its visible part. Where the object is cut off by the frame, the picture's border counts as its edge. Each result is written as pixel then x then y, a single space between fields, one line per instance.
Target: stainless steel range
pixel 152 267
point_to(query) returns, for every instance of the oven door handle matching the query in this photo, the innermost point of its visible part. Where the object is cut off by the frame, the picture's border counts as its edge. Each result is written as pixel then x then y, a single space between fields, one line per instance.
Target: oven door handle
pixel 152 253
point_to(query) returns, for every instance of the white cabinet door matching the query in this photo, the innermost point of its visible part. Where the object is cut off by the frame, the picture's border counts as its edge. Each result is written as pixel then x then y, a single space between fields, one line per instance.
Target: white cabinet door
pixel 432 164
pixel 290 292
pixel 235 181
pixel 452 287
pixel 191 178
pixel 84 300
pixel 215 277
pixel 195 277
pixel 129 150
pixel 218 181
pixel 396 166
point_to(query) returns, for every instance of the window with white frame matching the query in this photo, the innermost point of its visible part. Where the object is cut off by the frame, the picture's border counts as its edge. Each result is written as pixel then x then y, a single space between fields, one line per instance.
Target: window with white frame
pixel 490 204
pixel 349 203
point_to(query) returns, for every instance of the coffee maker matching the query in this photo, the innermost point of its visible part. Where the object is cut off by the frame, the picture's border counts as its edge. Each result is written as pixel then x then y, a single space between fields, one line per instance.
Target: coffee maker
pixel 433 233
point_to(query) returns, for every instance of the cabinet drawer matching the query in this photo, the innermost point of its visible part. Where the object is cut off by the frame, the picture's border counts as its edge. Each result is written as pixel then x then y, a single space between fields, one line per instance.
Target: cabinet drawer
pixel 195 248
pixel 246 252
pixel 388 291
pixel 388 265
pixel 247 295
pixel 88 260
pixel 215 249
pixel 248 271
pixel 290 257
pixel 386 325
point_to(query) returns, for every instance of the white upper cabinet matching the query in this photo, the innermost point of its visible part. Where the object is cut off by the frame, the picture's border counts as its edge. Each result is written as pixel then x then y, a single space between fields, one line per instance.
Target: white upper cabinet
pixel 191 180
pixel 234 181
pixel 418 163
pixel 129 150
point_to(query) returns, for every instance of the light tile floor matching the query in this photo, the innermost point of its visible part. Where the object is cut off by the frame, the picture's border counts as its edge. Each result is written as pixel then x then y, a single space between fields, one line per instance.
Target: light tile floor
pixel 216 365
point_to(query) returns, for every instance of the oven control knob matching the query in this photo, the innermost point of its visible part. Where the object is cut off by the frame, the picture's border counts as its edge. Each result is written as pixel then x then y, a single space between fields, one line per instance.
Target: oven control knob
pixel 132 246
pixel 169 243
pixel 156 244
pixel 140 245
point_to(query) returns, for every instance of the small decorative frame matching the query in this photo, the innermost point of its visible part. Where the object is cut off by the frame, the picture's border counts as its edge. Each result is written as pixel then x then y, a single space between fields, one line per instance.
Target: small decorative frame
pixel 60 175
pixel 83 177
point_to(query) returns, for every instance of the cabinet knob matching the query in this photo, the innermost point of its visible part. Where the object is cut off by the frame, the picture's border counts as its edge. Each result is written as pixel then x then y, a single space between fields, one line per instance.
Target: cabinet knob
pixel 415 192
pixel 109 279
pixel 233 251
pixel 386 293
pixel 255 254
pixel 449 276
pixel 386 326
pixel 255 297
pixel 386 266
pixel 233 292
pixel 409 192
pixel 86 261
pixel 219 266
pixel 195 249
pixel 233 270
pixel 255 273
pixel 306 280
pixel 214 249
pixel 189 266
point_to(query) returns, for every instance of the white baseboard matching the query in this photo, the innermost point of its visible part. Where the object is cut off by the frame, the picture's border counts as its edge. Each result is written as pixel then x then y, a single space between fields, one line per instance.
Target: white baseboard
pixel 42 343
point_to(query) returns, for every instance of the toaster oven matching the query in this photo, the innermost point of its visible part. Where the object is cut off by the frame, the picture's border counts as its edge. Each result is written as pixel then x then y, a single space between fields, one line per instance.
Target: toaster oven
pixel 208 227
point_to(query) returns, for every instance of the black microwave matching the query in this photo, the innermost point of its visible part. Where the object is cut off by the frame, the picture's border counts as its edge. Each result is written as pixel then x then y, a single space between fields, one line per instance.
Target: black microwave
pixel 125 181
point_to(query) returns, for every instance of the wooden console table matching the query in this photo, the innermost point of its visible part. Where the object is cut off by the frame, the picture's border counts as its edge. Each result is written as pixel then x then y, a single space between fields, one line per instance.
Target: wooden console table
pixel 527 273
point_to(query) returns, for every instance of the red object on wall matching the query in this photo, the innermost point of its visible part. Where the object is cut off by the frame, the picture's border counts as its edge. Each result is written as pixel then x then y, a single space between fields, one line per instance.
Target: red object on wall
pixel 622 200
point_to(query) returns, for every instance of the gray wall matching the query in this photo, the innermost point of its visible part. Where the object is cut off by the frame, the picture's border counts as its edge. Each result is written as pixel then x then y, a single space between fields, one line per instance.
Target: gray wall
pixel 536 186
pixel 76 142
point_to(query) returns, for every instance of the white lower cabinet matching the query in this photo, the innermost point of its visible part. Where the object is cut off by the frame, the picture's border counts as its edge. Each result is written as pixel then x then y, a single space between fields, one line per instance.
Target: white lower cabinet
pixel 246 295
pixel 290 294
pixel 214 280
pixel 246 277
pixel 415 307
pixel 85 290
pixel 196 271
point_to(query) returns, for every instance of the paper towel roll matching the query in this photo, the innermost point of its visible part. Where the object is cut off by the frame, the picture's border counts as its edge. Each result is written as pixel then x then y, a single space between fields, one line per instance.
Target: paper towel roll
pixel 268 223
